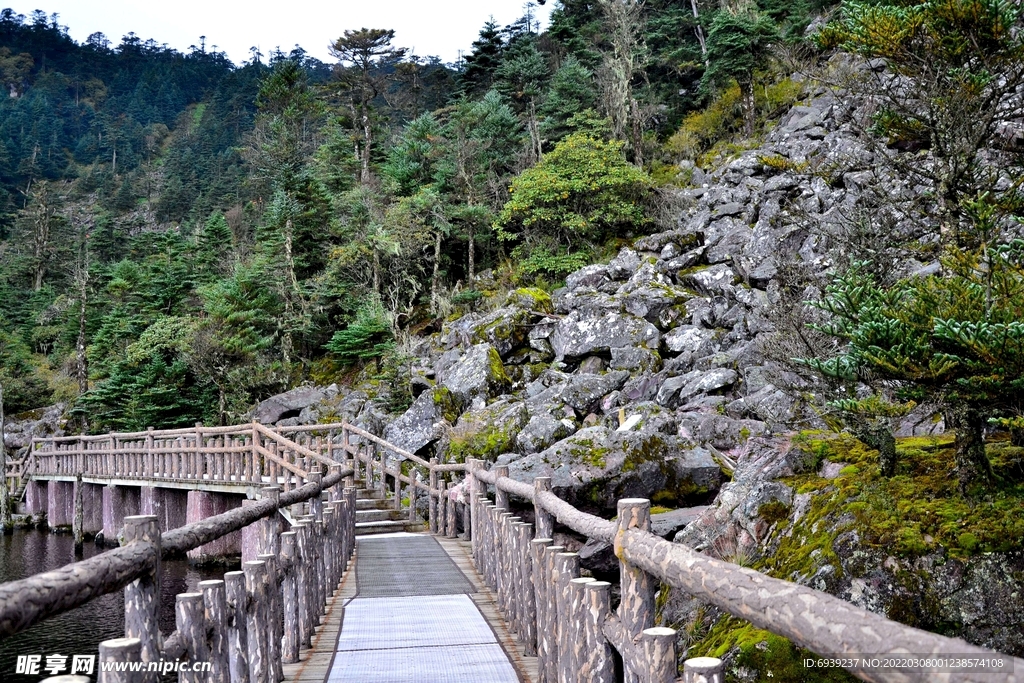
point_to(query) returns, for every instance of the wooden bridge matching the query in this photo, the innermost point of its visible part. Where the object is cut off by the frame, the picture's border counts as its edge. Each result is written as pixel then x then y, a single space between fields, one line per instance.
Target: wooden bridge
pixel 413 607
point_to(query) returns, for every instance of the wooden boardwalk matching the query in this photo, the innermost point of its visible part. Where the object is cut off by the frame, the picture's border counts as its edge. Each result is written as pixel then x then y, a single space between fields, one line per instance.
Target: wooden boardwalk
pixel 414 610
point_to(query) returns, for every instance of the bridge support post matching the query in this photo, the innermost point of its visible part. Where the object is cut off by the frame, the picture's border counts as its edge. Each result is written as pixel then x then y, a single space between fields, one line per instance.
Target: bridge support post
pixel 215 607
pixel 238 647
pixel 636 607
pixel 60 504
pixel 599 664
pixel 204 504
pixel 119 502
pixel 78 525
pixel 169 505
pixel 142 596
pixel 35 498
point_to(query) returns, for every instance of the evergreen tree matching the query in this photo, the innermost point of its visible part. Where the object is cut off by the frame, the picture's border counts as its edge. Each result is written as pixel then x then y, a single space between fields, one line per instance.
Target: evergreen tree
pixel 479 66
pixel 739 40
pixel 571 92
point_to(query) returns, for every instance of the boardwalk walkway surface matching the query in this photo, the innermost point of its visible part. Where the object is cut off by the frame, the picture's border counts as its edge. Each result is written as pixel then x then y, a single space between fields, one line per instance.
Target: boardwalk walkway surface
pixel 412 614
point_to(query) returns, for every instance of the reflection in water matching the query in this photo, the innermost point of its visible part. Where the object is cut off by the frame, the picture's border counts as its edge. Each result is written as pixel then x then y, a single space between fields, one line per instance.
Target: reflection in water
pixel 79 631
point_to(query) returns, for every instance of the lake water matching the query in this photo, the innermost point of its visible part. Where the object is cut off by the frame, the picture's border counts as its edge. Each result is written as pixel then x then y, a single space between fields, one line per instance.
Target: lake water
pixel 80 631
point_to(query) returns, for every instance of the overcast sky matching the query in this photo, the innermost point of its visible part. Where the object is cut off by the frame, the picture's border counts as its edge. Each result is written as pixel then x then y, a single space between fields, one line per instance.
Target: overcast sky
pixel 430 27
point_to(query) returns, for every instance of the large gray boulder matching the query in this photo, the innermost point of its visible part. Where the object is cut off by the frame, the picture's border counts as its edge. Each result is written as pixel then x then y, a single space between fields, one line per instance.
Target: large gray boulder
pixel 505 329
pixel 596 466
pixel 287 405
pixel 427 420
pixel 583 392
pixel 479 372
pixel 541 431
pixel 580 334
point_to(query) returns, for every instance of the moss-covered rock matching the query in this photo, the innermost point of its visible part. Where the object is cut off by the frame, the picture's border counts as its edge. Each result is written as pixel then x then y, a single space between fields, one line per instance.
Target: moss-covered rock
pixel 478 373
pixel 596 466
pixel 532 299
pixel 487 432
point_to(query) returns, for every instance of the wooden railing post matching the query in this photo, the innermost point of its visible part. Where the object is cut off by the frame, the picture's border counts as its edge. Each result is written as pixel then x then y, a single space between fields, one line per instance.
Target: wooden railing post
pixel 544 522
pixel 142 596
pixel 636 606
pixel 238 648
pixel 302 580
pixel 351 496
pixel 452 516
pixel 275 618
pixel 255 588
pixel 270 526
pixel 577 627
pixel 330 548
pixel 598 666
pixel 441 516
pixel 215 606
pixel 659 648
pixel 527 601
pixel 567 568
pixel 289 595
pixel 551 574
pixel 540 594
pixel 500 497
pixel 115 651
pixel 704 670
pixel 190 620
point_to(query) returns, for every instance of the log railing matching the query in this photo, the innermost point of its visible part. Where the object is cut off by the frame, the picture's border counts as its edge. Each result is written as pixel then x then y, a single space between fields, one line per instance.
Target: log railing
pixel 568 623
pixel 250 455
pixel 245 625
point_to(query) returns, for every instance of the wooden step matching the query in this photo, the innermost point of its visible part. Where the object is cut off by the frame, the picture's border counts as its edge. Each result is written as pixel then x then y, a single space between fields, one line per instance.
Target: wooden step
pixel 380 515
pixel 388 527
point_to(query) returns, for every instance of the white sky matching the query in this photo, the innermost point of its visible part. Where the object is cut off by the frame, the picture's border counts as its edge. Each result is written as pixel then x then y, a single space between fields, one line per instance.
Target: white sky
pixel 430 27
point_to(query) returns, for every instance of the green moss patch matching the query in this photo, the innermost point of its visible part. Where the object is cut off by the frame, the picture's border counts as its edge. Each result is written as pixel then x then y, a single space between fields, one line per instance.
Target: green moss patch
pixel 774 658
pixel 919 510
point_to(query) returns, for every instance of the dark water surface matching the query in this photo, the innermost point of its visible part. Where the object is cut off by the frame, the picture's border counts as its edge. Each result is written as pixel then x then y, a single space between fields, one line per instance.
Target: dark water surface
pixel 79 631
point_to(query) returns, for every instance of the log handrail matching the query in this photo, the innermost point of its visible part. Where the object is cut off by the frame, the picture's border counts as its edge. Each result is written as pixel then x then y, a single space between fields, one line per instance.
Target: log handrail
pixel 28 601
pixel 811 619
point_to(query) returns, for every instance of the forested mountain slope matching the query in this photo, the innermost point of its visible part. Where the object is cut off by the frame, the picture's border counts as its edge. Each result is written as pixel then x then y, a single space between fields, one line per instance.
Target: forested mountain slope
pixel 761 256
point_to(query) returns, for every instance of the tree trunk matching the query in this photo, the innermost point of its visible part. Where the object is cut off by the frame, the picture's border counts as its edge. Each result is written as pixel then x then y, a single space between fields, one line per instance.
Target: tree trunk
pixel 471 260
pixel 435 279
pixel 881 439
pixel 972 465
pixel 5 495
pixel 376 271
pixel 534 130
pixel 749 109
pixel 637 133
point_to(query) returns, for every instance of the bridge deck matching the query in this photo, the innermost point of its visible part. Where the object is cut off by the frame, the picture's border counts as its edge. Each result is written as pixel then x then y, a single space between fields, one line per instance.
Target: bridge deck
pixel 414 612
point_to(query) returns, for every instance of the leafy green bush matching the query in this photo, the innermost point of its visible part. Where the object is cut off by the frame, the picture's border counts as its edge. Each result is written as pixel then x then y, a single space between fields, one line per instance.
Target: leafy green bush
pixel 584 189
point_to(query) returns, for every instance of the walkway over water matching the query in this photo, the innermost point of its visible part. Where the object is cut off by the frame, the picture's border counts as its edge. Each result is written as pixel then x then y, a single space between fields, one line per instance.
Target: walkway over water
pixel 413 619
